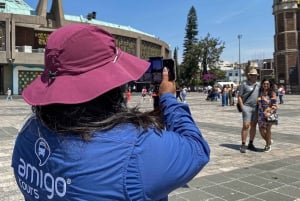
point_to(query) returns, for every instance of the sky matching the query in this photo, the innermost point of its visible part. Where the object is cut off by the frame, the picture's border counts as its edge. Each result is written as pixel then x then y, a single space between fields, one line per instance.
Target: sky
pixel 167 19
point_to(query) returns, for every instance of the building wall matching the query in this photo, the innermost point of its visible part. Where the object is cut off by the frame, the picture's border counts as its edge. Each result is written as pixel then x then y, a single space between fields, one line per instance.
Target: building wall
pixel 287 43
pixel 24 37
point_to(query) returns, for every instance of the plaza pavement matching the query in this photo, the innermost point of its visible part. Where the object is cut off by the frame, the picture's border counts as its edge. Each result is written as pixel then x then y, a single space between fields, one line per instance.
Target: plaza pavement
pixel 229 176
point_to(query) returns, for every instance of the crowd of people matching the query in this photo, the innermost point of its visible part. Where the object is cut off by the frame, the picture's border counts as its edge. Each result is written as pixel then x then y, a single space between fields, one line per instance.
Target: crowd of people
pixel 226 93
pixel 258 101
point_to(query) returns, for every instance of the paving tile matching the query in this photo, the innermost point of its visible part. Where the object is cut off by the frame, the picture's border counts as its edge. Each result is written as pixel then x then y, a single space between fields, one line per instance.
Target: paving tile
pixel 243 187
pixel 251 199
pixel 289 173
pixel 241 173
pixel 295 167
pixel 229 176
pixel 262 182
pixel 273 165
pixel 201 182
pixel 296 184
pixel 176 198
pixel 225 193
pixel 289 191
pixel 274 196
pixel 218 178
pixel 278 177
pixel 293 160
pixel 196 195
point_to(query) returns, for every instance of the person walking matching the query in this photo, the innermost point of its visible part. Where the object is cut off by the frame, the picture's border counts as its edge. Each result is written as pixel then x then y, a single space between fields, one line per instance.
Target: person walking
pixel 247 98
pixel 83 143
pixel 184 93
pixel 9 95
pixel 232 93
pixel 178 93
pixel 128 95
pixel 281 93
pixel 267 105
pixel 144 93
pixel 225 95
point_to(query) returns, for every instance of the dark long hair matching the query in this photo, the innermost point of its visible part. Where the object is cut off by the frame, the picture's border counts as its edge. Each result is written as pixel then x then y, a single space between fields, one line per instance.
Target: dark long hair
pixel 102 113
pixel 271 91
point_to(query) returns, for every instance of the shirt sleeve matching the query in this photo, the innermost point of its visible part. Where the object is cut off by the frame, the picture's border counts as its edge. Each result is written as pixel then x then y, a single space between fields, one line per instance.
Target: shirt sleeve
pixel 241 90
pixel 169 160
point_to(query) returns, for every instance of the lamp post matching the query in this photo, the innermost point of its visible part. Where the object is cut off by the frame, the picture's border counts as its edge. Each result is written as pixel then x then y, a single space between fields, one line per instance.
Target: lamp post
pixel 239 37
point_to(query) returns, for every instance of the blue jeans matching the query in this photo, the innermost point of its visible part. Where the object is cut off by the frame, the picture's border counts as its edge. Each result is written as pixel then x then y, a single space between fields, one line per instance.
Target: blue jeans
pixel 280 99
pixel 224 99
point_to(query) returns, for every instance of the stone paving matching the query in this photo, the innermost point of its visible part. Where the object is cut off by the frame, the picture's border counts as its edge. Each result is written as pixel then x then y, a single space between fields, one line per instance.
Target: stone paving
pixel 230 175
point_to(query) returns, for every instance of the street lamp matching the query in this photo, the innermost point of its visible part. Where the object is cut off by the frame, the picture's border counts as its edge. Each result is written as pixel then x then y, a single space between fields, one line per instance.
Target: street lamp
pixel 239 37
pixel 261 70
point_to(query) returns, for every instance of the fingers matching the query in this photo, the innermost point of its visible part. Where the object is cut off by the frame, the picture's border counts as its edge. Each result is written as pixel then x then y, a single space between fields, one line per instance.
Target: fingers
pixel 166 86
pixel 165 75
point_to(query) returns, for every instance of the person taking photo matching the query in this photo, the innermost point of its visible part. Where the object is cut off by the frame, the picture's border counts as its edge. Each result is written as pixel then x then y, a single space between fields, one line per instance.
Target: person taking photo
pixel 83 143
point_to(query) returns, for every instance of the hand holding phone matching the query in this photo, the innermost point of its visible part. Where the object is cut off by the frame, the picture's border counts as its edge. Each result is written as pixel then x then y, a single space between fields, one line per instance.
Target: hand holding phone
pixel 166 86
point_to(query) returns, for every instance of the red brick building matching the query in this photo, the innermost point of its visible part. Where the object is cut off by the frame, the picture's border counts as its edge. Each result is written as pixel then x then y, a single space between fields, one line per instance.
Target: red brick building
pixel 287 43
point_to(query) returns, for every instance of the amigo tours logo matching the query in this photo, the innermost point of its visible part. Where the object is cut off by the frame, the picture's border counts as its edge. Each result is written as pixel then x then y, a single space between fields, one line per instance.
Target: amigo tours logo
pixel 42 151
pixel 32 179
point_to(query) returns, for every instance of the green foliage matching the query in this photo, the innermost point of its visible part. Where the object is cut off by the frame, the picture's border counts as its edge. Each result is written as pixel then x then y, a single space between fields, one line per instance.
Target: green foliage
pixel 191 30
pixel 210 50
pixel 220 74
pixel 189 65
pixel 206 52
pixel 175 57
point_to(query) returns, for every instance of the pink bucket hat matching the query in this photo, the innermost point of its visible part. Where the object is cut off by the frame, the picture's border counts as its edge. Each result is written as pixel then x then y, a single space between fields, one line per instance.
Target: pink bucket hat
pixel 81 63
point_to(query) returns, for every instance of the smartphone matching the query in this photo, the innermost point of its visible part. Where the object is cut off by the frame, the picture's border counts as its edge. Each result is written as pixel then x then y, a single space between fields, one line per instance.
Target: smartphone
pixel 170 64
pixel 154 73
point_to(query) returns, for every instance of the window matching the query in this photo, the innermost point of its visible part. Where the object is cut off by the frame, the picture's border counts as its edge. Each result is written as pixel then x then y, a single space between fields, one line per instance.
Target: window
pixel 2 5
pixel 2 36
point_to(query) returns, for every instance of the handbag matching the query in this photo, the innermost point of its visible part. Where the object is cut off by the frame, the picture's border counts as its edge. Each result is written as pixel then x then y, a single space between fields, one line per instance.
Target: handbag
pixel 272 118
pixel 238 106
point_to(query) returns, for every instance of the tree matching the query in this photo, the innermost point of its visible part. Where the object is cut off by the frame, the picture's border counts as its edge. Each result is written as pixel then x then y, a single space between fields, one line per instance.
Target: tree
pixel 189 65
pixel 210 50
pixel 175 57
pixel 219 74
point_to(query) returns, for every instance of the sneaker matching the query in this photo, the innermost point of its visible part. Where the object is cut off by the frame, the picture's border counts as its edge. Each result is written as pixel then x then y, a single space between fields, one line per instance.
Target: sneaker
pixel 251 147
pixel 243 148
pixel 267 148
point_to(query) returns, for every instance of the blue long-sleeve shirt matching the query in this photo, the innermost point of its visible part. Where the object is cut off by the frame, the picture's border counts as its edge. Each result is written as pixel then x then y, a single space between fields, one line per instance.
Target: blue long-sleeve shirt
pixel 124 163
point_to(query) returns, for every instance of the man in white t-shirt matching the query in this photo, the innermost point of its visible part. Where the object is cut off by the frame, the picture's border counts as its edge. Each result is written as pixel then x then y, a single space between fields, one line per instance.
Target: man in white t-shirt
pixel 9 96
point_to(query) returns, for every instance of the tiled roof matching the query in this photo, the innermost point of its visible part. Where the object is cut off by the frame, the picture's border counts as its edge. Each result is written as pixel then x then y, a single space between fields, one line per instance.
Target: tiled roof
pixel 98 22
pixel 20 7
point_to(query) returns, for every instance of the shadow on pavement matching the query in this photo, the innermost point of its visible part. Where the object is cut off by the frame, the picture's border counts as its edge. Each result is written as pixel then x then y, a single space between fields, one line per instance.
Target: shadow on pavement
pixel 237 147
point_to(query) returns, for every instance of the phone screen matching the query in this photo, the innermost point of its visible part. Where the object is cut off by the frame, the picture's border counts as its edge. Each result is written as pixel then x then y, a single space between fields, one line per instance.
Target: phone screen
pixel 156 70
pixel 169 63
pixel 154 73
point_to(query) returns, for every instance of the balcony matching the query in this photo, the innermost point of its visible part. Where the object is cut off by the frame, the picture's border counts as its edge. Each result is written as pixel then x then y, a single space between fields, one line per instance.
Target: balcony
pixel 28 49
pixel 26 55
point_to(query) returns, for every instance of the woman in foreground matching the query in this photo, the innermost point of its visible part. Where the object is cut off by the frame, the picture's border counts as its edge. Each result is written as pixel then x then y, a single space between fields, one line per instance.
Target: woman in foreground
pixel 83 143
